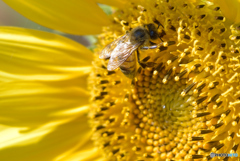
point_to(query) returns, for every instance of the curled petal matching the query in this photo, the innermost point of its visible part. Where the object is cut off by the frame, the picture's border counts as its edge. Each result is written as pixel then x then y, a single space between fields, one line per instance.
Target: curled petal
pixel 74 17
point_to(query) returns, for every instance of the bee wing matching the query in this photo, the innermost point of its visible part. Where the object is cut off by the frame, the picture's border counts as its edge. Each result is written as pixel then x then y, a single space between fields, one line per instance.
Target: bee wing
pixel 121 53
pixel 106 52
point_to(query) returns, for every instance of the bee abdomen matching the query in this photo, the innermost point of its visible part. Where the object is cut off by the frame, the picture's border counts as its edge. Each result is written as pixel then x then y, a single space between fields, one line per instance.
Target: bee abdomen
pixel 130 60
pixel 129 66
pixel 128 71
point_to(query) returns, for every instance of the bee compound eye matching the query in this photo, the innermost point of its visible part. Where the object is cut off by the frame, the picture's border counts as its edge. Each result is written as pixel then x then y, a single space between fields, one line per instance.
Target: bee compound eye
pixel 152 33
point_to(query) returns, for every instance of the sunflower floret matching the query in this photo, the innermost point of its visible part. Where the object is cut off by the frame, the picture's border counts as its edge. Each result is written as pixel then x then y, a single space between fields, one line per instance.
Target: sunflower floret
pixel 183 104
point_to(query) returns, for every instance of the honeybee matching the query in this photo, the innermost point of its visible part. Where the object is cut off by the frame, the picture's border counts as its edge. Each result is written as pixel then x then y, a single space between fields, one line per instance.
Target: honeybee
pixel 121 50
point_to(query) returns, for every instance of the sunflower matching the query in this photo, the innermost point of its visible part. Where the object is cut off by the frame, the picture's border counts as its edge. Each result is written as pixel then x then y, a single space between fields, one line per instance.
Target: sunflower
pixel 181 104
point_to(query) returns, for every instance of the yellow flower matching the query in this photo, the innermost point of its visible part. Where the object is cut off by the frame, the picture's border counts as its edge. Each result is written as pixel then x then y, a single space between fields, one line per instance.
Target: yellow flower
pixel 182 103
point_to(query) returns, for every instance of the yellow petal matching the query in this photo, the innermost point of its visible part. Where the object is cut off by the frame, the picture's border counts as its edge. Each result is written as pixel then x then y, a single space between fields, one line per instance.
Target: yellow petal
pixel 31 104
pixel 230 9
pixel 35 55
pixel 74 17
pixel 88 154
pixel 57 141
pixel 42 74
pixel 44 97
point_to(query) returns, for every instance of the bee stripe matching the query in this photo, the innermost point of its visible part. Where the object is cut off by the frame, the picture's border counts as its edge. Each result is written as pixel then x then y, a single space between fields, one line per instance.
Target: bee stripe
pixel 130 60
pixel 128 72
pixel 123 67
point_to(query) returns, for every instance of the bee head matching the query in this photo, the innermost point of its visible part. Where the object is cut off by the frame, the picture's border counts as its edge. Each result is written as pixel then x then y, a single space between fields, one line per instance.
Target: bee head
pixel 152 31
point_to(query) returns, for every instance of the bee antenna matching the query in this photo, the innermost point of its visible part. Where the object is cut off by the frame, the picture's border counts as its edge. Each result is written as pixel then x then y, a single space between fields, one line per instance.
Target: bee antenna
pixel 158 23
pixel 160 38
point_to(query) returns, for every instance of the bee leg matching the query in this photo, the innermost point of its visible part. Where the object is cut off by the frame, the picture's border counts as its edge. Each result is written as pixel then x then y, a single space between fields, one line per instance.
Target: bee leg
pixel 150 47
pixel 160 38
pixel 152 43
pixel 158 23
pixel 138 58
